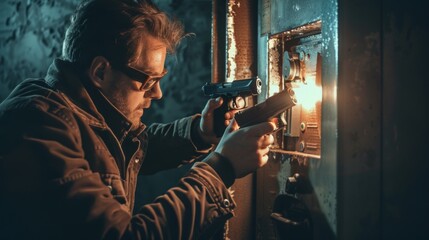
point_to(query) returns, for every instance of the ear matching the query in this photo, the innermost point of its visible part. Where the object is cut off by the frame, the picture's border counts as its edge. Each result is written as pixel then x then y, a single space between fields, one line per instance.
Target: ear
pixel 97 71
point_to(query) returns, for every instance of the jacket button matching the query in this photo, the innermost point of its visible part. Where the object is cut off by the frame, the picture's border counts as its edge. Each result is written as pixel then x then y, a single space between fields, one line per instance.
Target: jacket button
pixel 110 187
pixel 136 160
pixel 226 203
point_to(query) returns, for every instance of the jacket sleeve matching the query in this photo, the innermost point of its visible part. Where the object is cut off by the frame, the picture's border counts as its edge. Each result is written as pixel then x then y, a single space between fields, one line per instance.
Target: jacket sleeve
pixel 52 192
pixel 173 144
pixel 196 208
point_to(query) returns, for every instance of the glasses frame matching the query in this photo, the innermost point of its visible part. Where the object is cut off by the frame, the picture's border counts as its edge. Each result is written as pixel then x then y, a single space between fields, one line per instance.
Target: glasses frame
pixel 148 81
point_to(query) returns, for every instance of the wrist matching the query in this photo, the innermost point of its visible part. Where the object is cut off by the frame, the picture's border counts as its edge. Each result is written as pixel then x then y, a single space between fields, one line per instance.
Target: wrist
pixel 206 136
pixel 197 136
pixel 223 167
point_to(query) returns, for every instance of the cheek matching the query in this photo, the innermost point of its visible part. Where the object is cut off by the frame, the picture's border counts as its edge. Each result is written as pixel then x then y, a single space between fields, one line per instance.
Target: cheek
pixel 120 94
pixel 134 99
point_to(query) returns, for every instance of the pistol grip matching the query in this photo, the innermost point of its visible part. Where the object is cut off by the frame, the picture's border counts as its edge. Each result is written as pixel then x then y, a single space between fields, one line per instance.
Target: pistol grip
pixel 219 119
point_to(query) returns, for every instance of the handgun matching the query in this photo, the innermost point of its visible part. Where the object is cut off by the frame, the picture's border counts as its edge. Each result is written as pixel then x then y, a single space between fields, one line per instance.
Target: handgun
pixel 235 97
pixel 267 110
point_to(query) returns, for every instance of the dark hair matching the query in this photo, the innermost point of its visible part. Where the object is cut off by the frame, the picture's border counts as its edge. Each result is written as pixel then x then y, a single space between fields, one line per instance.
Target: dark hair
pixel 113 29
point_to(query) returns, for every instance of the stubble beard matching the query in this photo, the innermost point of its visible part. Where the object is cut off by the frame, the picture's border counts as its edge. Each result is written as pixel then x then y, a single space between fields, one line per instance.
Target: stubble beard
pixel 134 116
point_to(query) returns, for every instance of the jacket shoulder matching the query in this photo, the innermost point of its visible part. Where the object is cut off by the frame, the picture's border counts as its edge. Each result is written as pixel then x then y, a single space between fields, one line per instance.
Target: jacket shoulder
pixel 33 97
pixel 23 94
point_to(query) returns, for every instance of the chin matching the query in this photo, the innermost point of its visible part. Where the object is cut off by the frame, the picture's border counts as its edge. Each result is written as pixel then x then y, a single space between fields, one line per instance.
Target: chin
pixel 136 121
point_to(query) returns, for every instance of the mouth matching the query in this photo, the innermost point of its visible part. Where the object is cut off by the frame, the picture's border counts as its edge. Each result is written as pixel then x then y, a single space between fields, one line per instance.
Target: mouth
pixel 141 109
pixel 143 106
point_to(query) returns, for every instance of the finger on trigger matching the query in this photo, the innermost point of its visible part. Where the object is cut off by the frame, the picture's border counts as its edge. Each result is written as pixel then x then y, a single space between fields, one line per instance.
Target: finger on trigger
pixel 227 116
pixel 230 114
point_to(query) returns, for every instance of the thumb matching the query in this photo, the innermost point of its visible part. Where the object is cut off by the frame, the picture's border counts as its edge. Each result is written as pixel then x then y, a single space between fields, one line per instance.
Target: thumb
pixel 263 128
pixel 211 105
pixel 215 103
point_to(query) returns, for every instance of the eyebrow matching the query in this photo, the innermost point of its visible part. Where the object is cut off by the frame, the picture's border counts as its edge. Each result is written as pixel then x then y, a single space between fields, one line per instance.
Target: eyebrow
pixel 149 71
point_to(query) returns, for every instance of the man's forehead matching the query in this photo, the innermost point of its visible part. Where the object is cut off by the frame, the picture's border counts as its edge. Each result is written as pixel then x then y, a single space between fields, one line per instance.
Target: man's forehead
pixel 148 44
pixel 150 53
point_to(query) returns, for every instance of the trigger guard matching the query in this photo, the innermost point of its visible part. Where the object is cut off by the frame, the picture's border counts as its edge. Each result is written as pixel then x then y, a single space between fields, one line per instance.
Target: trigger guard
pixel 237 103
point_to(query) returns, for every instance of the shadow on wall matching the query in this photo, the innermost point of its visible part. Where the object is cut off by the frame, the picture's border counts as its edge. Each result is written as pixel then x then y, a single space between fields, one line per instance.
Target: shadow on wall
pixel 31 35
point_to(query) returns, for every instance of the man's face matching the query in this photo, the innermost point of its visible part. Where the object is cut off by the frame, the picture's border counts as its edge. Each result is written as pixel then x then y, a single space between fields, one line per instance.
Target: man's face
pixel 124 92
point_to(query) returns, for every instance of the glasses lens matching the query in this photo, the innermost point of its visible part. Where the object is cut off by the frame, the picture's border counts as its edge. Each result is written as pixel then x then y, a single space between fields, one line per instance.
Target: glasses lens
pixel 149 83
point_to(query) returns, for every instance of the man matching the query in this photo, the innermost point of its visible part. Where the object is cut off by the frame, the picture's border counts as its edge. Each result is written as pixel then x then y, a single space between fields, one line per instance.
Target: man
pixel 72 144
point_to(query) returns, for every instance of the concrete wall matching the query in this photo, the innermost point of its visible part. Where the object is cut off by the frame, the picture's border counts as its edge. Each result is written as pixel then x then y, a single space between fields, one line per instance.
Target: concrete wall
pixel 31 33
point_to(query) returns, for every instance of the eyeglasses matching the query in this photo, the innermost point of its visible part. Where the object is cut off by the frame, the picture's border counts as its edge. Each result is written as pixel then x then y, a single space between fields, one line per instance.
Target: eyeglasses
pixel 147 80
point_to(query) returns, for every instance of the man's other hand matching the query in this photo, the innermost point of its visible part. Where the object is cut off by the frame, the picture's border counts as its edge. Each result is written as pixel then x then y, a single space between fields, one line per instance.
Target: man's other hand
pixel 206 128
pixel 246 148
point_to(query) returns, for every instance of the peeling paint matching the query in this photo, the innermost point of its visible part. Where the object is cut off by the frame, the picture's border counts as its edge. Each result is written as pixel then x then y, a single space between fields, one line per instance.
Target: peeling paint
pixel 232 45
pixel 274 74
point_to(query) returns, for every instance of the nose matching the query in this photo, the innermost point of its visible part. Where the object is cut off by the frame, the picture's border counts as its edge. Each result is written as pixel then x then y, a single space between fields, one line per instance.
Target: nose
pixel 155 92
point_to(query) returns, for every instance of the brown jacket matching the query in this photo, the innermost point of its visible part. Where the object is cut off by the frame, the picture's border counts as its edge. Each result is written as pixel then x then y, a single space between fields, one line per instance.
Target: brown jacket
pixel 69 166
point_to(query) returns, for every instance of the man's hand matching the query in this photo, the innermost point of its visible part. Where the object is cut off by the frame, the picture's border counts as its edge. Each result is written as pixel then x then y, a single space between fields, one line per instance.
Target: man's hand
pixel 206 128
pixel 246 148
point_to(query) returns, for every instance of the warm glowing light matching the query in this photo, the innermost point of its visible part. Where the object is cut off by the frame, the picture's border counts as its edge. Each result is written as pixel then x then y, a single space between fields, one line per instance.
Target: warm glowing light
pixel 308 94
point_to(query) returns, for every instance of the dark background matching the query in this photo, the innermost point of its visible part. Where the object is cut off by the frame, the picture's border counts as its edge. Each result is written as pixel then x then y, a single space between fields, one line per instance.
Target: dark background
pixel 31 35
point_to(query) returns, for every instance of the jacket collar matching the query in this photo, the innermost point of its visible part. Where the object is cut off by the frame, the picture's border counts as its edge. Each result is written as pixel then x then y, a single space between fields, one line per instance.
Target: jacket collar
pixel 86 100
